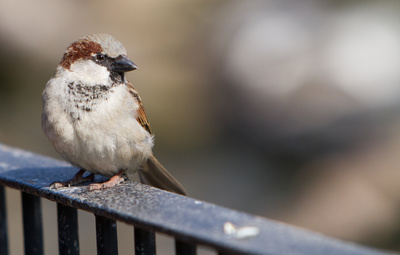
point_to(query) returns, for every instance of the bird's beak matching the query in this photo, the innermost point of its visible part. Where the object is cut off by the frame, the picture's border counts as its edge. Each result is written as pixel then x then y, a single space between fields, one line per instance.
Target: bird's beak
pixel 123 64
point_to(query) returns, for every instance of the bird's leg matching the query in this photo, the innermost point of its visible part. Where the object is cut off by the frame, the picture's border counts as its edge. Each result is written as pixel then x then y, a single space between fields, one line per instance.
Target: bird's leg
pixel 116 179
pixel 78 178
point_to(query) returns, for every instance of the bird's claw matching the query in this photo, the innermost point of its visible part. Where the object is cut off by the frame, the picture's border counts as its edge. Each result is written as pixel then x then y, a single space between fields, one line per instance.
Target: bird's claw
pixel 57 185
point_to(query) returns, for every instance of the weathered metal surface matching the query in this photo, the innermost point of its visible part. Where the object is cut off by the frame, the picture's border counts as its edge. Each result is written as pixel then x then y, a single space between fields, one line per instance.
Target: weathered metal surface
pixel 182 248
pixel 68 237
pixel 32 222
pixel 188 219
pixel 3 222
pixel 106 236
pixel 145 242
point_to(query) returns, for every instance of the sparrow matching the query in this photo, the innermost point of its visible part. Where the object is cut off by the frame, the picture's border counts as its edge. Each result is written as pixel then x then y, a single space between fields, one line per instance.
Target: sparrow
pixel 95 118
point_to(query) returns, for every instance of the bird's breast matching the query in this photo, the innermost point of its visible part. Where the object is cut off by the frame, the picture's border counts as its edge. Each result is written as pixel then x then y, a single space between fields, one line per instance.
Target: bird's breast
pixel 103 135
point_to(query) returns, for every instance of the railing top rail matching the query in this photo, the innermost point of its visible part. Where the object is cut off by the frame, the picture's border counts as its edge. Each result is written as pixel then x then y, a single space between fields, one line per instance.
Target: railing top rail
pixel 153 209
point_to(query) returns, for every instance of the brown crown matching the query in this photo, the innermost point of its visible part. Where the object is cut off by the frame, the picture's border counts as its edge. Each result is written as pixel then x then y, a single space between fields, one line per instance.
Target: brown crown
pixel 79 50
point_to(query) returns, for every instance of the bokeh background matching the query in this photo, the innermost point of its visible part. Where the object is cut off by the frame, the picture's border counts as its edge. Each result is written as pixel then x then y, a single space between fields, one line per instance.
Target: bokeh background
pixel 286 109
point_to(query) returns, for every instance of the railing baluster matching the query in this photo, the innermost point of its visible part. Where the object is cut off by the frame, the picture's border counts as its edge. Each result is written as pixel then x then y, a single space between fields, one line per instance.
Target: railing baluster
pixel 182 248
pixel 106 235
pixel 68 237
pixel 3 223
pixel 145 242
pixel 32 220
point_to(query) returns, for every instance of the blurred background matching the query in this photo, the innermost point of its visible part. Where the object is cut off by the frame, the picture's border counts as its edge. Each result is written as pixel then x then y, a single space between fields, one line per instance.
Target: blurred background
pixel 285 109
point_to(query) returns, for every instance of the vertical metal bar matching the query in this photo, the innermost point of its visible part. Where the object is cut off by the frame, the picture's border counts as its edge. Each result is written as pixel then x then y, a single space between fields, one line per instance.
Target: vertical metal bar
pixel 106 235
pixel 32 220
pixel 145 242
pixel 182 248
pixel 68 238
pixel 3 223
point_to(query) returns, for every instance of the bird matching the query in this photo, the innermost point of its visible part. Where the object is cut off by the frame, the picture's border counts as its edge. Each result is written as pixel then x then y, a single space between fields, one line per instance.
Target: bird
pixel 95 118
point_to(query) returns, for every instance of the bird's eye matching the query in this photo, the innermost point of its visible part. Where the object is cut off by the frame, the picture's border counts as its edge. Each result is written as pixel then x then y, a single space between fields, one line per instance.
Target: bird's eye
pixel 100 57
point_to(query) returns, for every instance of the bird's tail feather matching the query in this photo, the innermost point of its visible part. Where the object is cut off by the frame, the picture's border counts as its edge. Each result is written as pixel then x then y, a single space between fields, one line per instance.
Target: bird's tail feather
pixel 154 174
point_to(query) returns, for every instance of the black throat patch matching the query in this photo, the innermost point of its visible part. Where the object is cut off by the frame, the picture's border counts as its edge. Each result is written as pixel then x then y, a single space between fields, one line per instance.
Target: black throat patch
pixel 85 97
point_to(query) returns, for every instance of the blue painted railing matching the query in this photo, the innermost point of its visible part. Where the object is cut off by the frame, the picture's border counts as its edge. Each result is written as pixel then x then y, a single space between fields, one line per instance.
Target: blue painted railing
pixel 189 221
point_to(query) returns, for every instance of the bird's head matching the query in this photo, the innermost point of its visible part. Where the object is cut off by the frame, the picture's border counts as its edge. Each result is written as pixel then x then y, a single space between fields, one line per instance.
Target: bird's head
pixel 96 58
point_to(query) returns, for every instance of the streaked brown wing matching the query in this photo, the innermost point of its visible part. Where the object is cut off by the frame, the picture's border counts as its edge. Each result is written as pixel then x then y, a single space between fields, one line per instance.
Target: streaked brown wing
pixel 142 117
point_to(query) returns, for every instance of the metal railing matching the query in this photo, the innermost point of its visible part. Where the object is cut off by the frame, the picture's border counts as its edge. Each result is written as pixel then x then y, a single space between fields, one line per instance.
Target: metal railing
pixel 189 221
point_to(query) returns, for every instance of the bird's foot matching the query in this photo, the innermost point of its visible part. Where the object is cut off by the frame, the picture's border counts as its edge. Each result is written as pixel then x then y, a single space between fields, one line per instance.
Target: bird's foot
pixel 116 179
pixel 78 178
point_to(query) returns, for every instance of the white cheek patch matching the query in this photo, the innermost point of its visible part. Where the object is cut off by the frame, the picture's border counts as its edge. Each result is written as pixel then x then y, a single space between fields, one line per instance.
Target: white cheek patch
pixel 90 73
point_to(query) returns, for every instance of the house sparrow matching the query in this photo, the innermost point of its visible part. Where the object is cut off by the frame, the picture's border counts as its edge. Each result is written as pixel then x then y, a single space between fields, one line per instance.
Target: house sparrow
pixel 95 118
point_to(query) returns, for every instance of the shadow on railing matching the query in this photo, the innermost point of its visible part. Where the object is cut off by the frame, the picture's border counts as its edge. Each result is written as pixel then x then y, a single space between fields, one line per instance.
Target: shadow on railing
pixel 189 221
